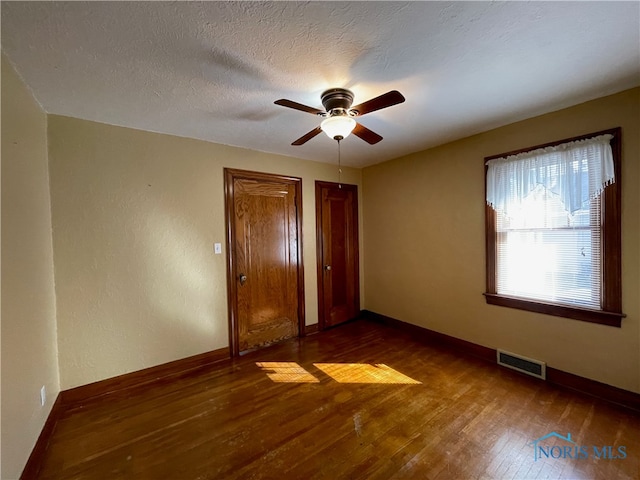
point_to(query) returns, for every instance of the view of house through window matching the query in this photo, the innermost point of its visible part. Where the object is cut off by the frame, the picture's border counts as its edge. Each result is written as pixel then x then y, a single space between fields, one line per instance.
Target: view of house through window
pixel 551 238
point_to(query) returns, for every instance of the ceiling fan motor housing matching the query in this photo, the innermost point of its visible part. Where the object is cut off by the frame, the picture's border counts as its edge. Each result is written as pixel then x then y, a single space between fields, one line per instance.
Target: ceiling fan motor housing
pixel 339 99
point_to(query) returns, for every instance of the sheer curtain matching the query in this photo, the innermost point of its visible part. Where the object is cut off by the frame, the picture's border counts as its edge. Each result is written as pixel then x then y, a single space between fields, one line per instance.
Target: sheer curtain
pixel 576 171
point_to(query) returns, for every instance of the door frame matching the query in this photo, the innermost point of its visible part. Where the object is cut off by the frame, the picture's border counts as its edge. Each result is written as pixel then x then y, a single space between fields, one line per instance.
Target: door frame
pixel 230 174
pixel 319 185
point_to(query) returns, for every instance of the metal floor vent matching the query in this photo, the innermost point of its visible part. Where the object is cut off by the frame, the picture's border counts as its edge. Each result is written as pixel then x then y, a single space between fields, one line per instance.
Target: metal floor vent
pixel 535 368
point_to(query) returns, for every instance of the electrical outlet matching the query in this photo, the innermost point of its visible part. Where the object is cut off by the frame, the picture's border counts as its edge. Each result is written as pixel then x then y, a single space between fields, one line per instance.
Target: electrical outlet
pixel 43 396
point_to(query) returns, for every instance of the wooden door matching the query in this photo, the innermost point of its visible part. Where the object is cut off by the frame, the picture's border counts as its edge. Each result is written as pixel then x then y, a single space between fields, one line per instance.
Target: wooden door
pixel 337 247
pixel 264 221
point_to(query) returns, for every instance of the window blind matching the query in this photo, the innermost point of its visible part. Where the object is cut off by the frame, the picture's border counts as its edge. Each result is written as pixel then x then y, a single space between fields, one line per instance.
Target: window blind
pixel 544 253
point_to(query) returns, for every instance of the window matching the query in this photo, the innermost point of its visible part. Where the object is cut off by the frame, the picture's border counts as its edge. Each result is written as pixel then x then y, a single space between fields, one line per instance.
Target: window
pixel 553 228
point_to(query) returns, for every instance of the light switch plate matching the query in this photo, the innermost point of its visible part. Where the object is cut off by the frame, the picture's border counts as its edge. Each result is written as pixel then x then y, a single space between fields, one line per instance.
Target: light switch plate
pixel 217 248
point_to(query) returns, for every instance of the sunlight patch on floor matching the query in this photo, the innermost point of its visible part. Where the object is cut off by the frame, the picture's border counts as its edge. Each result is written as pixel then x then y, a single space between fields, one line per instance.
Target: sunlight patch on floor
pixel 291 372
pixel 287 372
pixel 364 373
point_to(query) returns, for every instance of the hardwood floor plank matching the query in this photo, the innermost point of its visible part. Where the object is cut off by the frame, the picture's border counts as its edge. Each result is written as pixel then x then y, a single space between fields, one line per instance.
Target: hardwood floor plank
pixel 244 418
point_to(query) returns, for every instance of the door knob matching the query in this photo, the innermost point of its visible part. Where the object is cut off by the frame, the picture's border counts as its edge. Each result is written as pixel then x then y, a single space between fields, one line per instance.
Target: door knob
pixel 327 268
pixel 242 278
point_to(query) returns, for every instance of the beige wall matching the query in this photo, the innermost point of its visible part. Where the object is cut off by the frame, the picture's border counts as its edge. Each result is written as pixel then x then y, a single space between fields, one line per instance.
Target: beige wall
pixel 135 217
pixel 29 347
pixel 424 257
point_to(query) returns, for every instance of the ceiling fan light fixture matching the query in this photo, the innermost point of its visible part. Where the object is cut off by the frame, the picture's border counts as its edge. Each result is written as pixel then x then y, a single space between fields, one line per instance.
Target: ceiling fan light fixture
pixel 338 126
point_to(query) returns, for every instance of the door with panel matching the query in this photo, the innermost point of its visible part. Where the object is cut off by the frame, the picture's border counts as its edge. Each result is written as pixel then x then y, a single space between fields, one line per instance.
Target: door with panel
pixel 264 264
pixel 337 253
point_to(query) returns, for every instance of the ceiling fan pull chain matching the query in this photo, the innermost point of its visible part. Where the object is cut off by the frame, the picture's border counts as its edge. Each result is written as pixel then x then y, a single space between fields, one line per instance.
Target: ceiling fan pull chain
pixel 339 164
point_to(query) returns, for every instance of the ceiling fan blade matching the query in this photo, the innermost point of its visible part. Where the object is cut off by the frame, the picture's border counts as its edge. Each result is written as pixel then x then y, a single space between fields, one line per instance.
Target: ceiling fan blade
pixel 365 134
pixel 307 136
pixel 298 106
pixel 383 101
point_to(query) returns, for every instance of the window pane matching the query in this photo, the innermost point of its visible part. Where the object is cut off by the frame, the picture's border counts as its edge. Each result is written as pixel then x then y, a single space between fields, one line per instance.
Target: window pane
pixel 544 253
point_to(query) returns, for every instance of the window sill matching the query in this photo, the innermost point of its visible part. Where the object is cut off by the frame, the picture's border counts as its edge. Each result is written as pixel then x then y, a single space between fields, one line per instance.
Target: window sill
pixel 612 319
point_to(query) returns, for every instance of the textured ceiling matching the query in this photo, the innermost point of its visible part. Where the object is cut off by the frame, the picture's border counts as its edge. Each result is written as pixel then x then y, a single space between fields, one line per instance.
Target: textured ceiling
pixel 212 70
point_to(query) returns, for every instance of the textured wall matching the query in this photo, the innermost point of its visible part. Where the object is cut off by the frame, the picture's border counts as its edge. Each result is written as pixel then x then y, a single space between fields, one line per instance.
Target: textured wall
pixel 135 217
pixel 424 246
pixel 29 348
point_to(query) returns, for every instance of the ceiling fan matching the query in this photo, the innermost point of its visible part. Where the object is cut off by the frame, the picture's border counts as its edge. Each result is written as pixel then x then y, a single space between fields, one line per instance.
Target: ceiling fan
pixel 338 114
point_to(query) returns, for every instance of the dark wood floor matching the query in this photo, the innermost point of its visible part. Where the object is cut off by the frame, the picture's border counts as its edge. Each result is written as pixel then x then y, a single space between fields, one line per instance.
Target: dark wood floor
pixel 303 418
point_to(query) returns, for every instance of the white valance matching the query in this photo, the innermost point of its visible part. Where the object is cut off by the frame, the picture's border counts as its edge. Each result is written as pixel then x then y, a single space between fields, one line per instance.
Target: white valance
pixel 576 171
